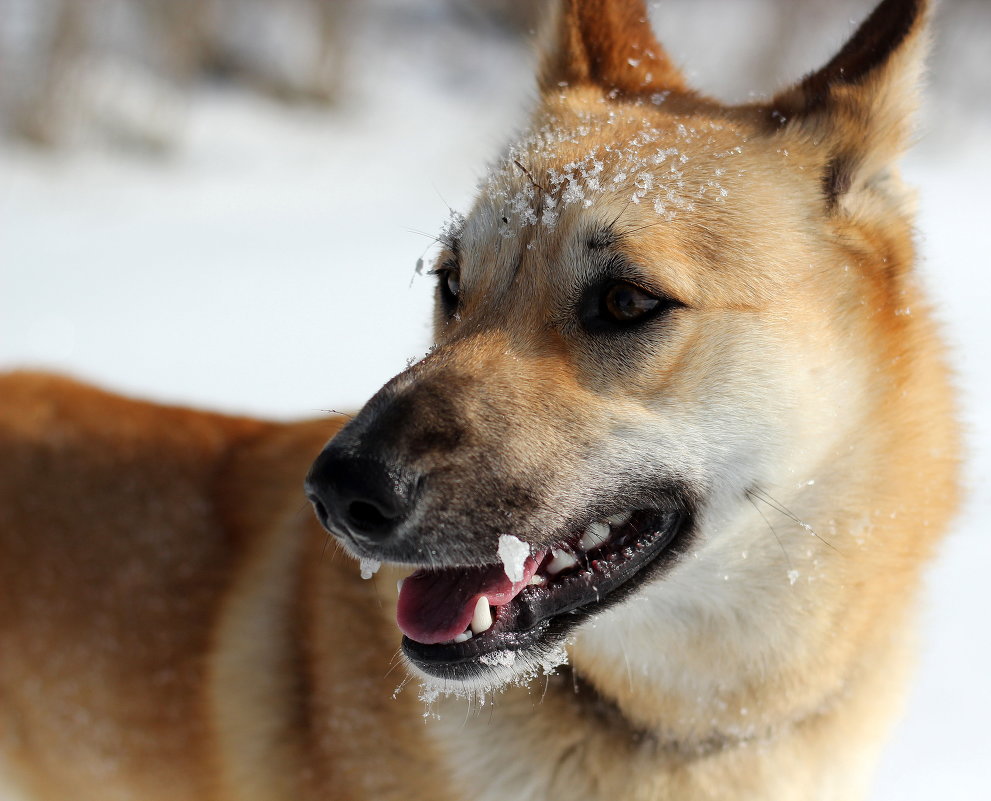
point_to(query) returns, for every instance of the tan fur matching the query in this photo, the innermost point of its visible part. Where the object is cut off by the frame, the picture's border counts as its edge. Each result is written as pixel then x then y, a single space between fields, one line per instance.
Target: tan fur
pixel 175 625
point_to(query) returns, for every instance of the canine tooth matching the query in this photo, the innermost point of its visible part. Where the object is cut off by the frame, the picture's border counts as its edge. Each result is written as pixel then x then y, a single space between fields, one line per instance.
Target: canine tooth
pixel 399 585
pixel 620 519
pixel 481 620
pixel 561 561
pixel 596 534
pixel 463 636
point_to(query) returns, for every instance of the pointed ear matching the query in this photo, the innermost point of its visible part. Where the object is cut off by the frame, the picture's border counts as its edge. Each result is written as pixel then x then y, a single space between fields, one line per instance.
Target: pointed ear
pixel 609 44
pixel 860 105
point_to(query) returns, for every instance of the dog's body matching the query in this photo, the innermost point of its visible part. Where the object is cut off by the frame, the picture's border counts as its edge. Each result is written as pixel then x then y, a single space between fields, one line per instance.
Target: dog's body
pixel 689 330
pixel 172 627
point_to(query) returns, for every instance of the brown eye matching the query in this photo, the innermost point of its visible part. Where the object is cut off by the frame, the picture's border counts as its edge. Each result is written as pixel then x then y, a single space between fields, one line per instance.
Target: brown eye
pixel 618 306
pixel 453 281
pixel 626 303
pixel 449 288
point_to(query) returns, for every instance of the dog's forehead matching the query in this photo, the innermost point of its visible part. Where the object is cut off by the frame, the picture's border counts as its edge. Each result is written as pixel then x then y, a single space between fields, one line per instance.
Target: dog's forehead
pixel 682 195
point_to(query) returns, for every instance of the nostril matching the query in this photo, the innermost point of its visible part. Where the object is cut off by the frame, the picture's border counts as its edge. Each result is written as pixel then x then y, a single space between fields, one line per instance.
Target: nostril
pixel 367 517
pixel 319 508
pixel 359 497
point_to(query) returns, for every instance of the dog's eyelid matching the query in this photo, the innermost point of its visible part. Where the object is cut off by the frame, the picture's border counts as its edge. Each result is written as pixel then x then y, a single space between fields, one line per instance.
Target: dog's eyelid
pixel 654 291
pixel 620 268
pixel 448 264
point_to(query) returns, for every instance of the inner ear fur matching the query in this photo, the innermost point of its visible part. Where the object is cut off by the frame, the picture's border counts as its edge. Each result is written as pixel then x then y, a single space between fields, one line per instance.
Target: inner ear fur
pixel 859 107
pixel 608 44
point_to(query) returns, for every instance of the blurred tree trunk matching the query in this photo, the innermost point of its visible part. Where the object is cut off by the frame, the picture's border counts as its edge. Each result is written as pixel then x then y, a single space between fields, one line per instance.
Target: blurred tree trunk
pixel 38 112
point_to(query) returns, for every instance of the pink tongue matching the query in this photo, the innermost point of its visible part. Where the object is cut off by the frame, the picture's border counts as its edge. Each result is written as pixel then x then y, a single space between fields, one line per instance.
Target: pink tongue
pixel 437 605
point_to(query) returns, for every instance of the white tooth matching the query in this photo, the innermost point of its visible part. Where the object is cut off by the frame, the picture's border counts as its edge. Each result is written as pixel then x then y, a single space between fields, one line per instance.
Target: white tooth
pixel 620 519
pixel 596 534
pixel 399 585
pixel 537 581
pixel 561 561
pixel 464 635
pixel 481 620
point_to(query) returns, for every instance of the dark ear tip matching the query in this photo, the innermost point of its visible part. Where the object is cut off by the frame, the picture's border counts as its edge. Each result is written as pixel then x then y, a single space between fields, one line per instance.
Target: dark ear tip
pixel 858 107
pixel 876 40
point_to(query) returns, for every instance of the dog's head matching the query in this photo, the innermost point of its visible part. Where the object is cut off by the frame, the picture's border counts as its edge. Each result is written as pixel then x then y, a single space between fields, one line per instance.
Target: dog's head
pixel 649 320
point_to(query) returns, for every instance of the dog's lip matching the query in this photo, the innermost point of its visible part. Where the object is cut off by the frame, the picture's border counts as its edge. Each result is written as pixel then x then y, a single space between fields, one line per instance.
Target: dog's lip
pixel 539 613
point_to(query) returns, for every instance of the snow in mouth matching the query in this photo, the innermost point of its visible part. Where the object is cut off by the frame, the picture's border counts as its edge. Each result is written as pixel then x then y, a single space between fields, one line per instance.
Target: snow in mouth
pixel 513 552
pixel 454 605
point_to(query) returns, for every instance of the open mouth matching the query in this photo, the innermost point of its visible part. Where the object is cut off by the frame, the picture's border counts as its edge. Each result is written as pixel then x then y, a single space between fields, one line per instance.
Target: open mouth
pixel 453 618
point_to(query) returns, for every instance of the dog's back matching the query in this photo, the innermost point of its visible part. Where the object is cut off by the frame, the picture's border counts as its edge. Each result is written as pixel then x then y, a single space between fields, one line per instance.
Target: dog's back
pixel 173 625
pixel 113 562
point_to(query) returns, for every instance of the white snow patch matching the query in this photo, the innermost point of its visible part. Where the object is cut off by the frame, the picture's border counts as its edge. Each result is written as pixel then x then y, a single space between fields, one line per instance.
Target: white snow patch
pixel 369 567
pixel 499 658
pixel 513 552
pixel 498 671
pixel 624 167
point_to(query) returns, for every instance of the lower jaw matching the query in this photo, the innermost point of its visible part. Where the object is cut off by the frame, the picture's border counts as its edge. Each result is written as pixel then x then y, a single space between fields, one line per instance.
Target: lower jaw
pixel 464 666
pixel 522 629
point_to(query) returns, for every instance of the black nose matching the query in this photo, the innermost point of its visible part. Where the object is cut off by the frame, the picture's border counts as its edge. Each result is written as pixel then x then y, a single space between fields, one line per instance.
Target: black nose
pixel 358 496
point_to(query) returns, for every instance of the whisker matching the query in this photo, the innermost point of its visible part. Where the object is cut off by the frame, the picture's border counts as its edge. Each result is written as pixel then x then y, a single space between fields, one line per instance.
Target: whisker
pixel 774 504
pixel 642 227
pixel 753 502
pixel 437 240
pixel 442 200
pixel 339 414
pixel 780 507
pixel 333 554
pixel 394 663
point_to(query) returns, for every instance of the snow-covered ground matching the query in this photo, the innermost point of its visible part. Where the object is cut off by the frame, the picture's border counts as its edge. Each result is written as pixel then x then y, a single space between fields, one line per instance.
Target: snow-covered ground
pixel 267 267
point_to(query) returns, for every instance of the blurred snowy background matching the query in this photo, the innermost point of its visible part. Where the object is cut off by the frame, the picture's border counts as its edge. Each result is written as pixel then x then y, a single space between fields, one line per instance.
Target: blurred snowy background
pixel 221 203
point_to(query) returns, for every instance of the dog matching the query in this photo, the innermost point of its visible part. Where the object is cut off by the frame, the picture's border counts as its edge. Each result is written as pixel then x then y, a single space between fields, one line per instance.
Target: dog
pixel 647 522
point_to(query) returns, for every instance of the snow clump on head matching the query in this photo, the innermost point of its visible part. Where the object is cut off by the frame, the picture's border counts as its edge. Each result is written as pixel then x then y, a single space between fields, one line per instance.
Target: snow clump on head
pixel 560 163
